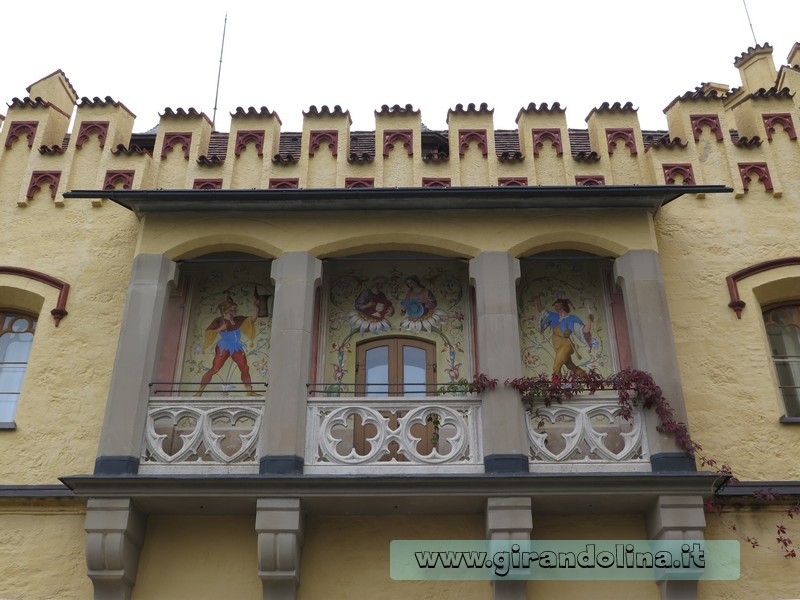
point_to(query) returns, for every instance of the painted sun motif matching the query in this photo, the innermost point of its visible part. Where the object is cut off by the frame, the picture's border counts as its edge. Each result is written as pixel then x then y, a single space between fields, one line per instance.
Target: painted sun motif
pixel 363 324
pixel 419 308
pixel 372 309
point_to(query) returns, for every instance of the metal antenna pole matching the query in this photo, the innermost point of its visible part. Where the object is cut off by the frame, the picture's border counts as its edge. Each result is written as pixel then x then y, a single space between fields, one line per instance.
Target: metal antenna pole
pixel 747 12
pixel 219 74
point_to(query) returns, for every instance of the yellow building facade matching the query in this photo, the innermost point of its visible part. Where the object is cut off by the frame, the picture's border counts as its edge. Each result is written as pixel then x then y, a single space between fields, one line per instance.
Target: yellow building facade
pixel 239 364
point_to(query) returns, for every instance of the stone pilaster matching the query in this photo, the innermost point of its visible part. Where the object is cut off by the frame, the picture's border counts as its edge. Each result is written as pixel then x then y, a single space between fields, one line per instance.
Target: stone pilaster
pixel 114 536
pixel 677 518
pixel 505 439
pixel 279 524
pixel 509 519
pixel 638 272
pixel 135 364
pixel 282 440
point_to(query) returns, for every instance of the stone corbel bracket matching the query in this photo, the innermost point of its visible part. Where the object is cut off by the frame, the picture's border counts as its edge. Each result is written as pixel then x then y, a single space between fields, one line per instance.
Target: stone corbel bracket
pixel 115 531
pixel 279 525
pixel 736 303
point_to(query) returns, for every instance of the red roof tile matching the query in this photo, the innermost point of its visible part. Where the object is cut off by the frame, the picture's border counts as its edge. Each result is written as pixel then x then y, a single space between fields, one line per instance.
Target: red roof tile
pixel 364 157
pixel 180 113
pixel 774 92
pixel 583 156
pixel 743 142
pixel 579 140
pixel 54 149
pixel 252 112
pixel 744 56
pixel 605 107
pixel 483 109
pixel 209 161
pixel 324 111
pixel 285 159
pixel 506 142
pixel 396 110
pixel 132 149
pixel 543 108
pixel 697 95
pixel 362 146
pixel 436 157
pixel 57 71
pixel 664 141
pixel 28 102
pixel 98 103
pixel 218 144
pixel 510 157
pixel 362 143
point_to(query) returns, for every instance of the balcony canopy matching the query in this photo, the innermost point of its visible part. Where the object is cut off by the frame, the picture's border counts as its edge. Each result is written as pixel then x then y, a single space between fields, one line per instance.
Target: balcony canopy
pixel 647 197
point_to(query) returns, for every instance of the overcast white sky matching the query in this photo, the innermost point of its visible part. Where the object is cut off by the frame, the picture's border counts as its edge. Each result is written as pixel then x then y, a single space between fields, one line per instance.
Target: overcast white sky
pixel 360 54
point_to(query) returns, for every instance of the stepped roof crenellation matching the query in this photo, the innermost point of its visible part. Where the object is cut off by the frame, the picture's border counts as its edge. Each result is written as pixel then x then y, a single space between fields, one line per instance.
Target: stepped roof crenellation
pixel 617 107
pixel 750 52
pixel 251 111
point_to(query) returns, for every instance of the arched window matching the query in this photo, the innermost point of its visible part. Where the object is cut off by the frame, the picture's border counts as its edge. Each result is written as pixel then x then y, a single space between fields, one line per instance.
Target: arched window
pixel 392 366
pixel 16 337
pixel 783 332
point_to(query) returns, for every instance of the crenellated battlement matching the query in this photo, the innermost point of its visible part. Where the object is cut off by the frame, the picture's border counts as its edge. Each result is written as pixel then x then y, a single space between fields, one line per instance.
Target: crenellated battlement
pixel 743 137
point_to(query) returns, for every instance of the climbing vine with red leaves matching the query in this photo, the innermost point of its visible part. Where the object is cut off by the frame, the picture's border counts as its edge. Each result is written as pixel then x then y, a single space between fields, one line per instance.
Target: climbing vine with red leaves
pixel 637 388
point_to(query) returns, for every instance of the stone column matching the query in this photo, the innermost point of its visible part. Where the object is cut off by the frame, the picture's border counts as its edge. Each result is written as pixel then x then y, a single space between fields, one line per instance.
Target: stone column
pixel 653 348
pixel 283 430
pixel 505 438
pixel 279 524
pixel 677 518
pixel 509 519
pixel 114 536
pixel 135 365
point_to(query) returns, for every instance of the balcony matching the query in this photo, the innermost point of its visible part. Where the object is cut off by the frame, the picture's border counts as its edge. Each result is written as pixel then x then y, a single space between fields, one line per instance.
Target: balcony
pixel 586 434
pixel 432 431
pixel 379 433
pixel 215 431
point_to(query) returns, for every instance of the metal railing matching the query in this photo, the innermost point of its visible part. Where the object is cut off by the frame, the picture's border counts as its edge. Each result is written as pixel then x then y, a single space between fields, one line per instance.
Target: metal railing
pixel 197 389
pixel 395 388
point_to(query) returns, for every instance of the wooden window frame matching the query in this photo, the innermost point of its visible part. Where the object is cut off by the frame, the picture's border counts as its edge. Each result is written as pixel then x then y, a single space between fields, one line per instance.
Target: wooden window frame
pixel 396 344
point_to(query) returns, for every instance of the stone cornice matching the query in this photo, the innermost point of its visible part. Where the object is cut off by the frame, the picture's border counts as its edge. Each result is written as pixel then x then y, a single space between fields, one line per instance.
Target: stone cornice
pixel 392 486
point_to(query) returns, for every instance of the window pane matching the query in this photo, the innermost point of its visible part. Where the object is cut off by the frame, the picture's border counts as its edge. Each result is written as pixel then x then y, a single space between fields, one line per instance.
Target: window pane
pixel 413 371
pixel 783 332
pixel 16 338
pixel 11 377
pixel 377 364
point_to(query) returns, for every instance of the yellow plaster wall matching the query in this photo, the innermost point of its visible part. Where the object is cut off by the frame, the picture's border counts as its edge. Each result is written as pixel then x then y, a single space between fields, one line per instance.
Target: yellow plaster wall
pixel 348 557
pixel 60 412
pixel 42 551
pixel 765 573
pixel 457 233
pixel 393 170
pixel 728 379
pixel 550 169
pixel 202 558
pixel 595 527
pixel 249 170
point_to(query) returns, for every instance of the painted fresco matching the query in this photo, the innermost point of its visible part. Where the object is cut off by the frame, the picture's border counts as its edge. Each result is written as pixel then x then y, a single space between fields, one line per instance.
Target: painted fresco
pixel 564 318
pixel 422 299
pixel 228 329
